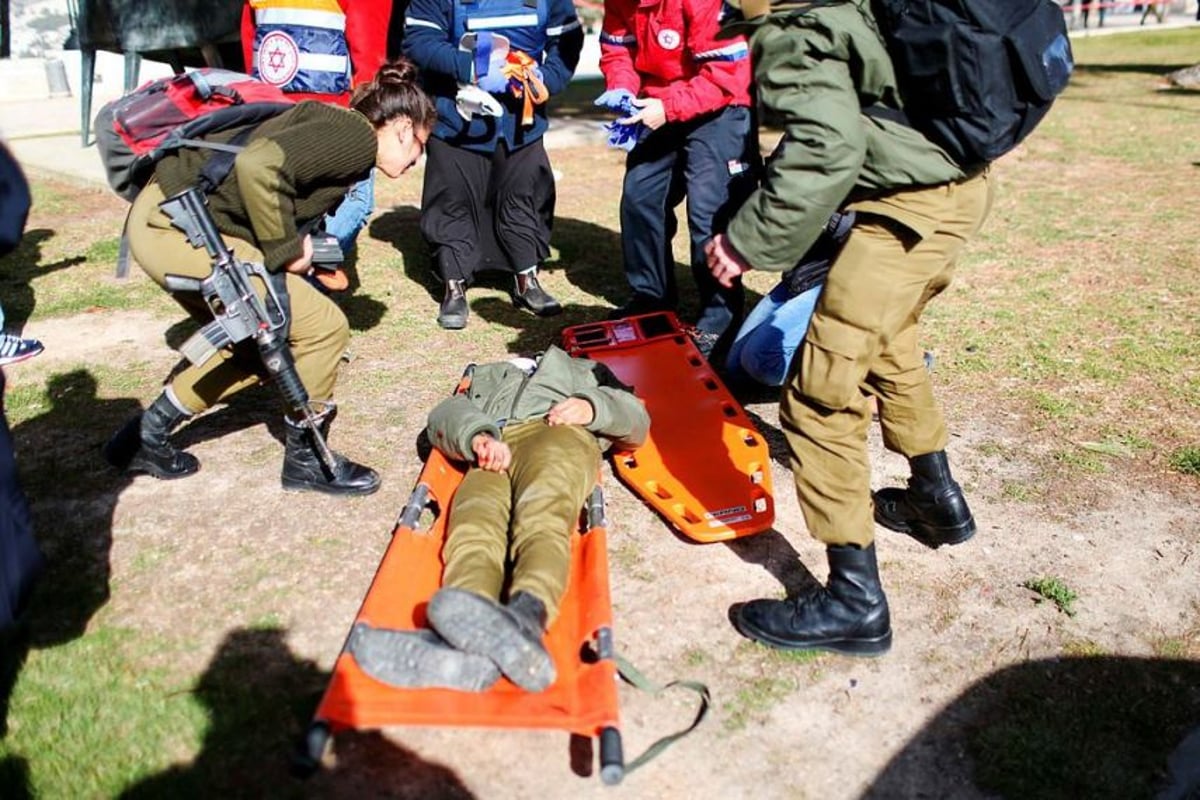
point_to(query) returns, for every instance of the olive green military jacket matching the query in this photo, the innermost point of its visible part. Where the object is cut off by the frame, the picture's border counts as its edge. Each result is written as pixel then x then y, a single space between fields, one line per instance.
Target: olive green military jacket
pixel 817 67
pixel 502 393
pixel 295 167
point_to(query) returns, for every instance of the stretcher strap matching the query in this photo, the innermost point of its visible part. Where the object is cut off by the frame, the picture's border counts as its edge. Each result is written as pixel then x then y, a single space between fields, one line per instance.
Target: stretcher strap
pixel 631 675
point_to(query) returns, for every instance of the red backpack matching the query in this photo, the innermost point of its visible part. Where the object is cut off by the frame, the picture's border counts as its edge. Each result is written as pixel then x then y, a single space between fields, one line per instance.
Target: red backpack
pixel 135 131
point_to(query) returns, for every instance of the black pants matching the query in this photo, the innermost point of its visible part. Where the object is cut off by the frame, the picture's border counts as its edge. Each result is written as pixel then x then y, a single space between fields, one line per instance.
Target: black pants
pixel 20 559
pixel 712 161
pixel 487 210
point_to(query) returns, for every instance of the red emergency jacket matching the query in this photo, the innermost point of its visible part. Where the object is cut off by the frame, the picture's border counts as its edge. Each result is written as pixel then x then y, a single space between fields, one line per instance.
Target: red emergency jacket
pixel 668 49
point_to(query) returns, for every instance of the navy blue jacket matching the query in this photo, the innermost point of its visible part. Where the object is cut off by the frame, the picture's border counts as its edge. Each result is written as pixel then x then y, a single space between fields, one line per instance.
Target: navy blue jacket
pixel 547 30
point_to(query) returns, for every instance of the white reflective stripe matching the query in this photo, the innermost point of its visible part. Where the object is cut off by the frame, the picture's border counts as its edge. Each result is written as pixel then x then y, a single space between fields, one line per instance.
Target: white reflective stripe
pixel 510 21
pixel 733 52
pixel 608 38
pixel 559 30
pixel 298 16
pixel 417 22
pixel 321 62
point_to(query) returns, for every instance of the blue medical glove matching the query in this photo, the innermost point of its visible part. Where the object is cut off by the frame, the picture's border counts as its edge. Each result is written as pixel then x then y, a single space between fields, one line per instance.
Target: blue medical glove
pixel 618 100
pixel 625 137
pixel 489 62
pixel 495 81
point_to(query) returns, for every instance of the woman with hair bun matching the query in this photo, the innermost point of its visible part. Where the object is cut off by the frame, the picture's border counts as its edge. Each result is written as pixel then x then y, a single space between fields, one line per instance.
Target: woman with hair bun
pixel 294 168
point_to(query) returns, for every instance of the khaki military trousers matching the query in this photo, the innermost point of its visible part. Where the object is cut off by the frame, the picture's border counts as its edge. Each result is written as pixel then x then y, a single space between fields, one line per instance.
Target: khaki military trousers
pixel 318 335
pixel 523 517
pixel 863 340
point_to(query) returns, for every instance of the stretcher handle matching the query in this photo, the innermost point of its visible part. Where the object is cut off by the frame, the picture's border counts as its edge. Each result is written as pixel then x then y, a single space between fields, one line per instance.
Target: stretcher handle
pixel 595 509
pixel 612 756
pixel 410 515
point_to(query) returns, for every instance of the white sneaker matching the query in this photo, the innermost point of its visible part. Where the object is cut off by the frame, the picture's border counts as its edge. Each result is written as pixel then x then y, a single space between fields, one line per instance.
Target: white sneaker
pixel 14 349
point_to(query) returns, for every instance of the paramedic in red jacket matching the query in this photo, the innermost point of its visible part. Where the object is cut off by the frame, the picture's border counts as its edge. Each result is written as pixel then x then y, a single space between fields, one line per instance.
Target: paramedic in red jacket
pixel 321 50
pixel 692 94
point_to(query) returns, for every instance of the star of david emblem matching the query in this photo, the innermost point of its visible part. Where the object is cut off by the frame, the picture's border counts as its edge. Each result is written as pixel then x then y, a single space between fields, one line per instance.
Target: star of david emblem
pixel 278 58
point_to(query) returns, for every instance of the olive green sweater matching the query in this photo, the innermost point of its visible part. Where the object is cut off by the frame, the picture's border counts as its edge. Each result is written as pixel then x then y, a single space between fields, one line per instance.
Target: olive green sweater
pixel 295 167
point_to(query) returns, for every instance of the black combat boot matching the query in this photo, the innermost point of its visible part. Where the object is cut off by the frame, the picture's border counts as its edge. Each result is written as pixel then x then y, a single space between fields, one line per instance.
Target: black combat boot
pixel 932 509
pixel 453 312
pixel 143 444
pixel 511 635
pixel 848 615
pixel 528 293
pixel 303 469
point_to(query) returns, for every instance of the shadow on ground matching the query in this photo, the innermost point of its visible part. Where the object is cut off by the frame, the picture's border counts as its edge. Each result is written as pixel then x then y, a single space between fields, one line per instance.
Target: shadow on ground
pixel 1095 727
pixel 772 551
pixel 21 266
pixel 259 696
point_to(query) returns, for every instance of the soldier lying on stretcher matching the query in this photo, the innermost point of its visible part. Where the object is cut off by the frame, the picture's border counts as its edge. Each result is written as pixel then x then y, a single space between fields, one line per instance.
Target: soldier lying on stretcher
pixel 533 433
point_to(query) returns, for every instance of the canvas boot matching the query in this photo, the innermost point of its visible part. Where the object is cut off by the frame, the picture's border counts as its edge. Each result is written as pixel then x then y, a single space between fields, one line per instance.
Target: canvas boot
pixel 143 444
pixel 932 509
pixel 418 660
pixel 453 312
pixel 848 615
pixel 303 469
pixel 528 293
pixel 511 635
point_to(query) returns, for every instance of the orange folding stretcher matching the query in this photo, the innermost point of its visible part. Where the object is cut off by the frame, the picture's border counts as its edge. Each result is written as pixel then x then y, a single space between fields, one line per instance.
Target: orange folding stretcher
pixel 583 699
pixel 704 466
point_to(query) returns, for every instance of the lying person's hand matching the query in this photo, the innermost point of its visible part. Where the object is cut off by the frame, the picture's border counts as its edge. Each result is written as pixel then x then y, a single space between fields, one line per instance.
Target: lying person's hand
pixel 572 411
pixel 491 454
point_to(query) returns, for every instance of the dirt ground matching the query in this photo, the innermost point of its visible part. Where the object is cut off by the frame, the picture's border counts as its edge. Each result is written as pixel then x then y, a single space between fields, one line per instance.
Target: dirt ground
pixel 199 560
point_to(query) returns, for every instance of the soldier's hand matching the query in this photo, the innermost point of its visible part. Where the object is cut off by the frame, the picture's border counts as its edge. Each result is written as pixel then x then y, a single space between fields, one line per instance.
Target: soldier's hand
pixel 572 411
pixel 725 263
pixel 491 454
pixel 303 264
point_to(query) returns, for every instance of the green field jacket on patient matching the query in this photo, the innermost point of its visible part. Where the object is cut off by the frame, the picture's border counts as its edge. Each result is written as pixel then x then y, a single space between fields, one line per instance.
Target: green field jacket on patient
pixel 817 67
pixel 503 393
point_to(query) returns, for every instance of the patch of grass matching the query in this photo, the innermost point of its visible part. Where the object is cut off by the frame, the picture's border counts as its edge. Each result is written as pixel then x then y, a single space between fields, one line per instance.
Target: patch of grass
pixel 696 657
pixel 1055 590
pixel 1185 460
pixel 1170 647
pixel 1082 648
pixel 1019 491
pixel 267 621
pixel 754 699
pixel 93 706
pixel 104 251
pixel 795 656
pixel 1080 460
pixel 1053 406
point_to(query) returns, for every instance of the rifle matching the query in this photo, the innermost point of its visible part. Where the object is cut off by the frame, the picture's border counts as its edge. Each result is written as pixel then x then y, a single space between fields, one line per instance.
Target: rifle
pixel 238 312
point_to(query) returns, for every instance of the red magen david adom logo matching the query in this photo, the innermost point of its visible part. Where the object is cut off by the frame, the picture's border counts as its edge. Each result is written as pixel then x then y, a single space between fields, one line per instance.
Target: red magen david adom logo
pixel 278 58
